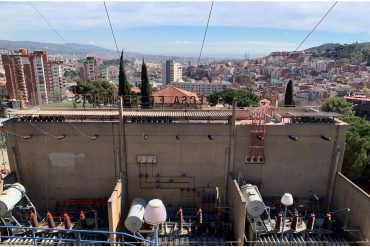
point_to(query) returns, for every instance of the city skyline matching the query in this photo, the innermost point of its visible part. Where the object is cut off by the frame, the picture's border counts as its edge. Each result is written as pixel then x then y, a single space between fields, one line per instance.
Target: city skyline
pixel 177 28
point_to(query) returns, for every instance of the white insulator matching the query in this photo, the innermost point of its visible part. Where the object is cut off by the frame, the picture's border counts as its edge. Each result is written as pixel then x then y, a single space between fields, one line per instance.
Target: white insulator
pixel 10 197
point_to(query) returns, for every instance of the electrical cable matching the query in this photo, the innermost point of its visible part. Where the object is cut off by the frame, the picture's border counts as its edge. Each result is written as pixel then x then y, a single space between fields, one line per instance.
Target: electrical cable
pixel 205 32
pixel 44 132
pixel 111 28
pixel 52 27
pixel 81 133
pixel 9 132
pixel 308 35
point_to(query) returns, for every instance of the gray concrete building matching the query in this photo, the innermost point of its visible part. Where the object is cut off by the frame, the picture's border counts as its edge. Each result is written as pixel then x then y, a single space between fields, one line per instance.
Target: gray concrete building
pixel 194 159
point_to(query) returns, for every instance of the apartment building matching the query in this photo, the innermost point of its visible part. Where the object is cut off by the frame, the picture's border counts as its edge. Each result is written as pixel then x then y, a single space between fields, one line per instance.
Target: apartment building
pixel 203 88
pixel 30 76
pixel 102 72
pixel 171 72
pixel 86 68
pixel 56 69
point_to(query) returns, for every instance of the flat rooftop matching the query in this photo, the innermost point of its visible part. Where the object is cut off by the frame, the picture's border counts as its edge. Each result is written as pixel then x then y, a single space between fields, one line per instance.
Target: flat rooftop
pixel 244 116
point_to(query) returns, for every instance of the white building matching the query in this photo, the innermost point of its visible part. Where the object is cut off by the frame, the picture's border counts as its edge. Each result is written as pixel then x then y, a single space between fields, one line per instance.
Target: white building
pixel 171 72
pixel 57 77
pixel 203 88
pixel 38 62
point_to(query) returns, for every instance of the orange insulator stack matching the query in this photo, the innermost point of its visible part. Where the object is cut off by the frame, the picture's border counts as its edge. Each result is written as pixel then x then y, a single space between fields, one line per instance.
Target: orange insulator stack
pixel 33 219
pixel 279 220
pixel 83 223
pixel 327 222
pixel 200 216
pixel 294 224
pixel 180 218
pixel 67 221
pixel 311 222
pixel 50 220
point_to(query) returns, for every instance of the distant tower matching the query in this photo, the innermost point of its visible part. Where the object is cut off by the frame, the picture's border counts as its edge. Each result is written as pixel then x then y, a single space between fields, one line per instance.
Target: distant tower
pixel 171 72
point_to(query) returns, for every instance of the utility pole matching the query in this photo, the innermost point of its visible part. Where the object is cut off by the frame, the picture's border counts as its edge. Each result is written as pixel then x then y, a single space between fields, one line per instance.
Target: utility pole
pixel 123 157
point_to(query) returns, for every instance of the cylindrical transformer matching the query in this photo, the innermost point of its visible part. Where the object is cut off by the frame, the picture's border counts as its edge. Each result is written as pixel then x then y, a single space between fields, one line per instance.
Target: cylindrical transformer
pixel 135 216
pixel 10 197
pixel 255 205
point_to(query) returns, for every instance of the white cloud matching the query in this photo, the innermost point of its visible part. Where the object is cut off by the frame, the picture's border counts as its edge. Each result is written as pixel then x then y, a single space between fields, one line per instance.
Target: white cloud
pixel 345 17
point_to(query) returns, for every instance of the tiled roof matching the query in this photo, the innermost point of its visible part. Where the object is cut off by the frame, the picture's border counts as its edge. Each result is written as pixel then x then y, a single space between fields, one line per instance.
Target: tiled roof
pixel 170 93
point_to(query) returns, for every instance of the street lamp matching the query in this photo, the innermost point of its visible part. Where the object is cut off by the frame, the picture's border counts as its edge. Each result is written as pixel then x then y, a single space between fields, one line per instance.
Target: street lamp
pixel 286 200
pixel 155 214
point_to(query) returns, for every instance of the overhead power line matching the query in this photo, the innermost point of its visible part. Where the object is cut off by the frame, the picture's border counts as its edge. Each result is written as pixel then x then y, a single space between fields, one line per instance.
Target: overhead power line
pixel 205 32
pixel 308 35
pixel 111 28
pixel 52 27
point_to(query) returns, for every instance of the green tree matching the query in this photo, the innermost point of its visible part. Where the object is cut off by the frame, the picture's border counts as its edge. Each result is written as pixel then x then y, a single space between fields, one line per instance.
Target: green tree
pixel 124 88
pixel 356 156
pixel 356 159
pixel 243 98
pixel 288 99
pixel 339 105
pixel 146 89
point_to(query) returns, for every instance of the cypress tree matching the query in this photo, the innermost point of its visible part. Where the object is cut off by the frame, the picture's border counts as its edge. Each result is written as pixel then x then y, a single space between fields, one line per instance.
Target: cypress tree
pixel 288 100
pixel 146 90
pixel 124 88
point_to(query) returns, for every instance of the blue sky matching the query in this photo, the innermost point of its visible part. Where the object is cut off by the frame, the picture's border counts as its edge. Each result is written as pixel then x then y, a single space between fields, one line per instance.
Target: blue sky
pixel 177 28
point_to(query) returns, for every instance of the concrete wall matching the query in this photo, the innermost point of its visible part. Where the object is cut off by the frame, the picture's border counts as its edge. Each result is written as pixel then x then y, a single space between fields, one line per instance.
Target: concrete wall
pixel 292 166
pixel 237 202
pixel 347 195
pixel 75 167
pixel 187 170
pixel 115 210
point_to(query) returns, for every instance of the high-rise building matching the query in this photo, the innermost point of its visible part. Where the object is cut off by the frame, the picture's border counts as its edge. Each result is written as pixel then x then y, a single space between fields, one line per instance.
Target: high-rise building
pixel 86 68
pixel 56 70
pixel 102 72
pixel 30 76
pixel 171 72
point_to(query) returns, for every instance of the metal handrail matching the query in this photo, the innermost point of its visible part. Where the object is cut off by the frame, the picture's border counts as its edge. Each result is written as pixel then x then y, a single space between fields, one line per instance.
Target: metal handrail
pixel 77 239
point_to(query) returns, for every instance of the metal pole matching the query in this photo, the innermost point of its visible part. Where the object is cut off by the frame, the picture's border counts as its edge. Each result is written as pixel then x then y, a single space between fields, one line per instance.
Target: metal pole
pixel 230 163
pixel 284 218
pixel 156 241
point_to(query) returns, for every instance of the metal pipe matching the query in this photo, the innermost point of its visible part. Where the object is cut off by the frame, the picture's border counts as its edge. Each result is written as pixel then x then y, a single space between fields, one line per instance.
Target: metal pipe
pixel 156 241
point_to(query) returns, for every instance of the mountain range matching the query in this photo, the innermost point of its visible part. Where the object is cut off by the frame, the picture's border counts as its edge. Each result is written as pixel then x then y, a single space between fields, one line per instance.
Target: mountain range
pixel 83 50
pixel 356 53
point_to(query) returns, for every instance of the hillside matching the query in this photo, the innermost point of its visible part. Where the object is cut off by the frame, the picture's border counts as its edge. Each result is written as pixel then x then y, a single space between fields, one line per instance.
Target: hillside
pixel 356 53
pixel 69 48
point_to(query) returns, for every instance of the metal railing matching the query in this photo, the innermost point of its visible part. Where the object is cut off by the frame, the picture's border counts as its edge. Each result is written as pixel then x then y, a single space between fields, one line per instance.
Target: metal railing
pixel 71 236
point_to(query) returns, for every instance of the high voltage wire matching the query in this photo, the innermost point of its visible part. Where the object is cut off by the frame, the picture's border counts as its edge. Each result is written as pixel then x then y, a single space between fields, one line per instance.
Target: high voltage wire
pixel 60 36
pixel 205 32
pixel 308 35
pixel 111 28
pixel 65 42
